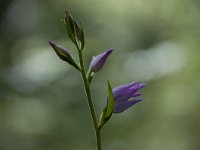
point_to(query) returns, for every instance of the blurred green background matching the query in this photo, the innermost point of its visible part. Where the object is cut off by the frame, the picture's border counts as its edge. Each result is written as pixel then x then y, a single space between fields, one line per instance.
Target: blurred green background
pixel 42 103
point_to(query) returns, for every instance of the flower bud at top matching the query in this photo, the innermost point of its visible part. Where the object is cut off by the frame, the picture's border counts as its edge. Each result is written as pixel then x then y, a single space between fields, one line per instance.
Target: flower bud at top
pixel 63 54
pixel 99 60
pixel 69 25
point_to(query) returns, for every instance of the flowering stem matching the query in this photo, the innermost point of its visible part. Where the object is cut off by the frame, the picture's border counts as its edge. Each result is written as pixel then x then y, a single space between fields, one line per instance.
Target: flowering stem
pixel 89 100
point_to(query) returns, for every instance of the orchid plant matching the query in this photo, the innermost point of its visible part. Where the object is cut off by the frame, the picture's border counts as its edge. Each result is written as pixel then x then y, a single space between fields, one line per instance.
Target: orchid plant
pixel 119 98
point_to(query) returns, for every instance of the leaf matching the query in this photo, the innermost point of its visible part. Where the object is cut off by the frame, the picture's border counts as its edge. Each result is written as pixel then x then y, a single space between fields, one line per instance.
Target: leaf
pixel 107 111
pixel 110 104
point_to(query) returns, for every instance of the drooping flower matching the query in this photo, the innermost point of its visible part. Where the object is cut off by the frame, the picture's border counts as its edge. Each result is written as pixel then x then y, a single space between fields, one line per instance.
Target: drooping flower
pixel 99 60
pixel 125 96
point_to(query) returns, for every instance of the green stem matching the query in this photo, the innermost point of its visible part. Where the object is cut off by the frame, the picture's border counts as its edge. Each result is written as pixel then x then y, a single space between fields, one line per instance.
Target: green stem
pixel 98 137
pixel 89 76
pixel 89 100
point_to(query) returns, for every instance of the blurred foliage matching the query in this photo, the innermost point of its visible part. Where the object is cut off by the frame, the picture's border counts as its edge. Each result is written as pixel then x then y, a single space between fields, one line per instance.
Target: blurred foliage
pixel 42 103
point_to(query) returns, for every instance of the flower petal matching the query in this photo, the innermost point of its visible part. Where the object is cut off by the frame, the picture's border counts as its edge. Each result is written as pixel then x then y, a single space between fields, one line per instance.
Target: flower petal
pixel 120 107
pixel 124 86
pixel 124 95
pixel 99 60
pixel 126 91
pixel 122 89
pixel 136 94
pixel 138 86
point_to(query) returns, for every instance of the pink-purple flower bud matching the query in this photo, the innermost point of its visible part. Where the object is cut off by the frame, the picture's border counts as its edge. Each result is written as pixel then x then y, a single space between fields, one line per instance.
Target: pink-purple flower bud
pixel 99 60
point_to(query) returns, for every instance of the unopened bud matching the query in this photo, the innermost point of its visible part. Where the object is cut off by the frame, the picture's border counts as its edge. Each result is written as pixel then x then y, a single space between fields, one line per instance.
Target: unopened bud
pixel 63 54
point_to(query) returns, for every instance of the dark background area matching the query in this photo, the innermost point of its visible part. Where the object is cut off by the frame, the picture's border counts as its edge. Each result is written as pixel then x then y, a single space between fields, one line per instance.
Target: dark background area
pixel 42 102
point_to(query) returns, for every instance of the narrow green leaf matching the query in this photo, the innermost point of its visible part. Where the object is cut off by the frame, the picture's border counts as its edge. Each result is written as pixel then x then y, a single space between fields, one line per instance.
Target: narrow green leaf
pixel 110 105
pixel 102 118
pixel 107 111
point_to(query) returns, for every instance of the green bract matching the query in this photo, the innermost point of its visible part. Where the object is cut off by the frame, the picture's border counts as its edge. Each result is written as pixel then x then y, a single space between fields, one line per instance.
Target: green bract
pixel 107 111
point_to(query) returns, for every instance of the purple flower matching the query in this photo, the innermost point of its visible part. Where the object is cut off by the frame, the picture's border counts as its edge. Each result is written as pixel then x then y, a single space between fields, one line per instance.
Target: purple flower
pixel 125 96
pixel 99 60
